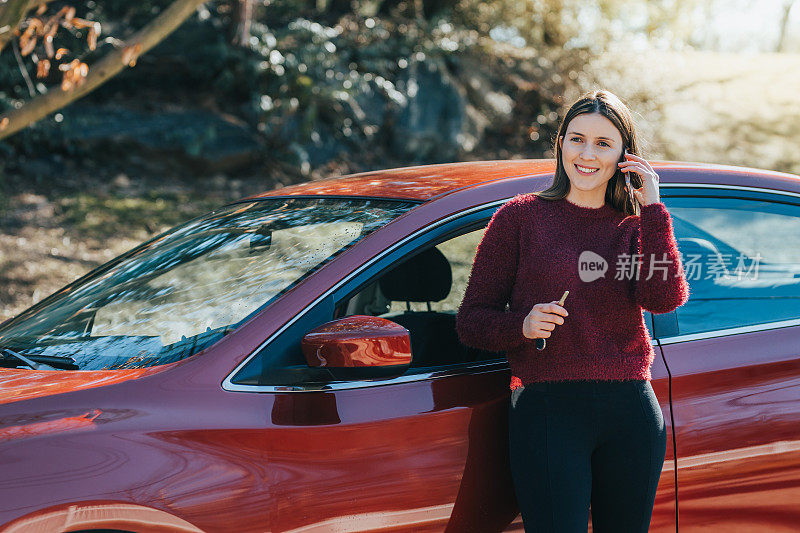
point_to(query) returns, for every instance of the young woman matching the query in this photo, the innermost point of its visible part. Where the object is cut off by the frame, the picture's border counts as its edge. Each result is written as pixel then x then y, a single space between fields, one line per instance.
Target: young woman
pixel 585 427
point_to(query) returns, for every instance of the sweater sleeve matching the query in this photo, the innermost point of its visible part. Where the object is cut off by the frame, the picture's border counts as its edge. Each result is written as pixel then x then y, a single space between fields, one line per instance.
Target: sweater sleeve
pixel 660 285
pixel 482 320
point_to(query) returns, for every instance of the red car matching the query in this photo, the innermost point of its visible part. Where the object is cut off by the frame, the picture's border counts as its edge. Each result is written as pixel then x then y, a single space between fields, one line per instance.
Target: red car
pixel 289 363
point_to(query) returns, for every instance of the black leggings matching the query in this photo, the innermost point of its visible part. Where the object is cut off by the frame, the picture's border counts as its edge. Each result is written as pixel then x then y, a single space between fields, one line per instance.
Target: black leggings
pixel 572 443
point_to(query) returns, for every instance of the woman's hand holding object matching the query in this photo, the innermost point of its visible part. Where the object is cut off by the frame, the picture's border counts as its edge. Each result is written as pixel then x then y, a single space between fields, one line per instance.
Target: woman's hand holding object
pixel 648 192
pixel 542 319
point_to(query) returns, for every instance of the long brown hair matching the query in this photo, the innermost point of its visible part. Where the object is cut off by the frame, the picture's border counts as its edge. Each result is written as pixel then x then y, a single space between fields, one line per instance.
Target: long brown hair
pixel 611 107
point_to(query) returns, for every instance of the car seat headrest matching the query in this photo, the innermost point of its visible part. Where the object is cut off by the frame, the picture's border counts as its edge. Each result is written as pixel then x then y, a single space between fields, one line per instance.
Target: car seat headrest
pixel 426 277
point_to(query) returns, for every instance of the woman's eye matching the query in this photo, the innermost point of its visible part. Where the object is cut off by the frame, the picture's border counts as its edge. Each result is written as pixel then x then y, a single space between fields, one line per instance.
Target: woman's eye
pixel 604 143
pixel 577 139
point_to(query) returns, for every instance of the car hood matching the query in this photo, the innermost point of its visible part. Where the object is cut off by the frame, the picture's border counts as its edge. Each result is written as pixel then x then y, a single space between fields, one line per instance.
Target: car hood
pixel 24 384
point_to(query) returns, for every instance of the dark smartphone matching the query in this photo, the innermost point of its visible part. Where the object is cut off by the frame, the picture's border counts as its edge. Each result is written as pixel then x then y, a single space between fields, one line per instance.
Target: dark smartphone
pixel 628 177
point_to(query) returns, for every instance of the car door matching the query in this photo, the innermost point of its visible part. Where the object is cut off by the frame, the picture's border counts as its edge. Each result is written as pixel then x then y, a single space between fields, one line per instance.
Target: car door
pixel 424 451
pixel 735 361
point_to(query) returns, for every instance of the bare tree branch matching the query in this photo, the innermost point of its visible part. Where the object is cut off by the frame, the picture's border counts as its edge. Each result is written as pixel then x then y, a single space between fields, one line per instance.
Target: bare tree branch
pixel 103 70
pixel 23 70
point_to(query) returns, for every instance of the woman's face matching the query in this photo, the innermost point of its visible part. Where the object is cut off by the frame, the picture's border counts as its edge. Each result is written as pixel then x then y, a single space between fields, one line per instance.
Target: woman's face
pixel 590 151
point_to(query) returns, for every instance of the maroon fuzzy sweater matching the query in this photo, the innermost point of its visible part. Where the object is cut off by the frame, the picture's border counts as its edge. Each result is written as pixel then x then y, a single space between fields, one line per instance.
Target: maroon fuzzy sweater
pixel 530 254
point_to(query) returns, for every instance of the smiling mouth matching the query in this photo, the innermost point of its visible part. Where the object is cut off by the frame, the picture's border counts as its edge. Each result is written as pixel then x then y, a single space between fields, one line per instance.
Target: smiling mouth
pixel 586 170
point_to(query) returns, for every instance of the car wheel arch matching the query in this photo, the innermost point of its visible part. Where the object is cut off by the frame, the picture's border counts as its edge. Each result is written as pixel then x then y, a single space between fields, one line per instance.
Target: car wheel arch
pixel 101 517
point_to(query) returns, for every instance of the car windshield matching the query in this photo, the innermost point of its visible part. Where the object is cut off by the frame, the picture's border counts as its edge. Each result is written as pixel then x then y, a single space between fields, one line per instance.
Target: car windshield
pixel 183 290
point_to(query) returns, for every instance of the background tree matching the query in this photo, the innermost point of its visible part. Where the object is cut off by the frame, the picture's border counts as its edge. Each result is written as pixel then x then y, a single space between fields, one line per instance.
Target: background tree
pixel 78 79
pixel 784 25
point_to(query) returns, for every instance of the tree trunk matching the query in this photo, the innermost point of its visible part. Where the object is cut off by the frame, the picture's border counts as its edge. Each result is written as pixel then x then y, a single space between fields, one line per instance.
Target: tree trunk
pixel 337 8
pixel 243 16
pixel 101 71
pixel 787 7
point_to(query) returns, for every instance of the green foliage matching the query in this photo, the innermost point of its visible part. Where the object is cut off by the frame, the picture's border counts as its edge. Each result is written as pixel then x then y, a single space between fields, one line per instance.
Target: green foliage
pixel 315 78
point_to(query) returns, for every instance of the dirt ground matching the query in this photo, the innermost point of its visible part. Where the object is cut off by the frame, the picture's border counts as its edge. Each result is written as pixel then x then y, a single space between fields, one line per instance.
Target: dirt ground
pixel 693 106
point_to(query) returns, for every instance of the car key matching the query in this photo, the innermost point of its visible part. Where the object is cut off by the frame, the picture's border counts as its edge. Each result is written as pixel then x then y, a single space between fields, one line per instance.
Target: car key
pixel 541 343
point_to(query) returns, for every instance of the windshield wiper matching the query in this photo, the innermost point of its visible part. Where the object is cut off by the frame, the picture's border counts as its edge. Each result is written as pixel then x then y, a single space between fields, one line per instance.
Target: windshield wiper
pixel 40 362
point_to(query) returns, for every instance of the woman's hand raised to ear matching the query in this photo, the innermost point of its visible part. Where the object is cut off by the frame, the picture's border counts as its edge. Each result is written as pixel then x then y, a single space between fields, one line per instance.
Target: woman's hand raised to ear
pixel 543 319
pixel 648 192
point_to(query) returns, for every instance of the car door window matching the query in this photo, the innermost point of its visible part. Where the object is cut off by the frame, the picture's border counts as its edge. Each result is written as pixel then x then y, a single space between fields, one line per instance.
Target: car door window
pixel 422 292
pixel 460 253
pixel 742 261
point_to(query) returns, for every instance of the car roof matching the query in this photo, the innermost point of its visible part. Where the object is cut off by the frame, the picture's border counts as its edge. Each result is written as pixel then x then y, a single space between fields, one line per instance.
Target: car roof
pixel 426 182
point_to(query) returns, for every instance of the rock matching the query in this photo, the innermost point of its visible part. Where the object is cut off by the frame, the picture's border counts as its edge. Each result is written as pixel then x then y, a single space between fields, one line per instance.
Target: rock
pixel 200 139
pixel 433 123
pixel 122 181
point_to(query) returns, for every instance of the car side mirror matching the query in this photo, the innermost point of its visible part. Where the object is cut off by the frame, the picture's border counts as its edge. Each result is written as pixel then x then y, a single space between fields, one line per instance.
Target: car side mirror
pixel 358 347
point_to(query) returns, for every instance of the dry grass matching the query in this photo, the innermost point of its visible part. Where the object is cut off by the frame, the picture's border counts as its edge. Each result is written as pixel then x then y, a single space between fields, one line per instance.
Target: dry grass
pixel 48 242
